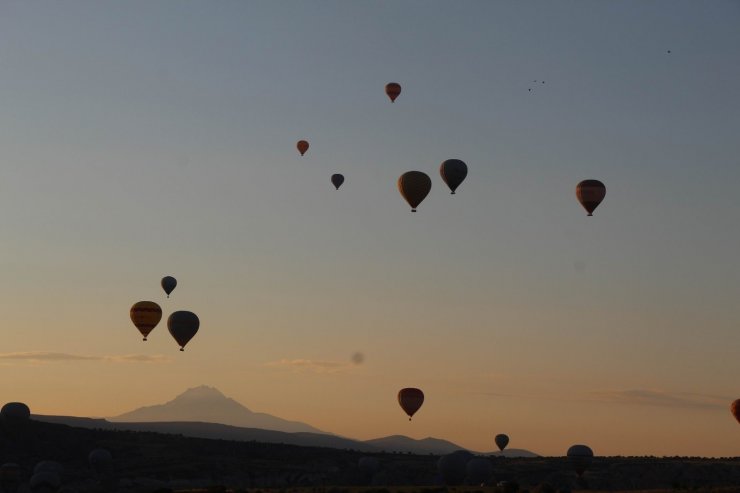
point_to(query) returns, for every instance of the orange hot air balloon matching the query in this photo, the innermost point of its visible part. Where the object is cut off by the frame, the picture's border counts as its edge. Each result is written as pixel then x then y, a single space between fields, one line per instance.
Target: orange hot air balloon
pixel 183 326
pixel 590 193
pixel 414 187
pixel 410 400
pixel 453 173
pixel 393 89
pixel 145 315
pixel 302 146
pixel 735 408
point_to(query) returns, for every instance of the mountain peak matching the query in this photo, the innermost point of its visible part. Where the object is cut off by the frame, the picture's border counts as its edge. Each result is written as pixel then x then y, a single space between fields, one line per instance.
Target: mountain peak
pixel 208 405
pixel 202 392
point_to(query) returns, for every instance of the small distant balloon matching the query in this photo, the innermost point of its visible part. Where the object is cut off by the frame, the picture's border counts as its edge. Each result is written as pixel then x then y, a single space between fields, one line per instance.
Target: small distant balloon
pixel 145 315
pixel 393 89
pixel 590 193
pixel 183 325
pixel 169 284
pixel 302 146
pixel 453 172
pixel 410 400
pixel 501 441
pixel 580 457
pixel 358 358
pixel 735 409
pixel 337 180
pixel 414 187
pixel 453 467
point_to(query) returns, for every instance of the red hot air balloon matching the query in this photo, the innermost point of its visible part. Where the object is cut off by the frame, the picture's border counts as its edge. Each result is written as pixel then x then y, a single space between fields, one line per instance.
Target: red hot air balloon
pixel 337 180
pixel 393 89
pixel 590 193
pixel 735 408
pixel 302 146
pixel 183 326
pixel 410 400
pixel 414 187
pixel 453 173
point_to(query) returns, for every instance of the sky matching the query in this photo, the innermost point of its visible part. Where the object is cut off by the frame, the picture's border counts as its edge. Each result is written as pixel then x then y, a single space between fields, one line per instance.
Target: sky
pixel 141 139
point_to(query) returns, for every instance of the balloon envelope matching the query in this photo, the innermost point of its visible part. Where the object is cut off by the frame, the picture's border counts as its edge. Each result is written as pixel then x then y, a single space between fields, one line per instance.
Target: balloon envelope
pixel 302 146
pixel 453 173
pixel 183 326
pixel 168 284
pixel 735 408
pixel 16 411
pixel 410 400
pixel 145 315
pixel 414 187
pixel 479 470
pixel 501 441
pixel 580 457
pixel 100 459
pixel 393 89
pixel 337 180
pixel 452 467
pixel 590 193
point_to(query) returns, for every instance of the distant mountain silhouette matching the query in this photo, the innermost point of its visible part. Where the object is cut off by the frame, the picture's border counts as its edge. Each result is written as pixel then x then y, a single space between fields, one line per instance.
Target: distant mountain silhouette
pixel 208 405
pixel 400 443
pixel 436 446
pixel 215 431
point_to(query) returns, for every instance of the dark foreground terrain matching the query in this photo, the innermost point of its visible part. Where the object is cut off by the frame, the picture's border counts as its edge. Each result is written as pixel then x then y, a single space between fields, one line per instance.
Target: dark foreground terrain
pixel 144 461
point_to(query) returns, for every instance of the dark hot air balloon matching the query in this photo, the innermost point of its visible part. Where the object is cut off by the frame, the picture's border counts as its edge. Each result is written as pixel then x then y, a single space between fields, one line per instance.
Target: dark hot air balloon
pixel 414 187
pixel 501 441
pixel 393 89
pixel 302 146
pixel 453 173
pixel 145 315
pixel 410 400
pixel 337 180
pixel 580 457
pixel 168 284
pixel 479 470
pixel 100 460
pixel 735 408
pixel 16 412
pixel 183 326
pixel 453 467
pixel 590 193
pixel 10 477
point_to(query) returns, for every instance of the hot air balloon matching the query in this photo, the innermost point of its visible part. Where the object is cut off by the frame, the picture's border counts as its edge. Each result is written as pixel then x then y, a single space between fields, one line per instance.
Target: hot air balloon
pixel 100 460
pixel 145 315
pixel 183 326
pixel 302 146
pixel 479 470
pixel 453 173
pixel 735 408
pixel 168 284
pixel 501 441
pixel 452 467
pixel 580 457
pixel 337 180
pixel 410 400
pixel 590 193
pixel 393 89
pixel 15 411
pixel 414 187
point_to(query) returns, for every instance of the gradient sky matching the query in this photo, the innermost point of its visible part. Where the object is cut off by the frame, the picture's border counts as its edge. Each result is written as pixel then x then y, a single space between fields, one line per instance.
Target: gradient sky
pixel 147 138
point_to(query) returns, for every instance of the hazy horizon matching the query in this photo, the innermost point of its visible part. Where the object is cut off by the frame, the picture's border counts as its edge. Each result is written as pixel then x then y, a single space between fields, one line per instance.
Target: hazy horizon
pixel 141 139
